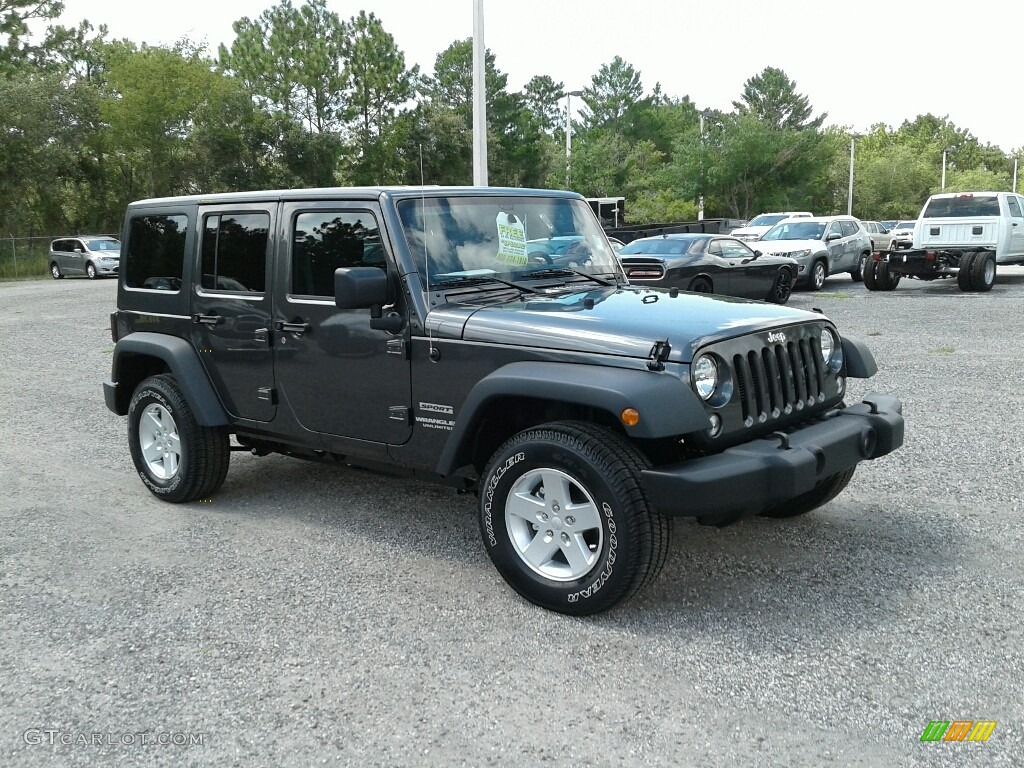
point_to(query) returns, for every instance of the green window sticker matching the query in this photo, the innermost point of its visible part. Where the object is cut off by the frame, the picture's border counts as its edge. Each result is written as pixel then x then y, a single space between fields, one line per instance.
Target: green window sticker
pixel 511 239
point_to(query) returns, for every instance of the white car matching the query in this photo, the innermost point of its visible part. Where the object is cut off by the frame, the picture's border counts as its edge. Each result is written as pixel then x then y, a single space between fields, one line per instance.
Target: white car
pixel 763 222
pixel 902 234
pixel 821 245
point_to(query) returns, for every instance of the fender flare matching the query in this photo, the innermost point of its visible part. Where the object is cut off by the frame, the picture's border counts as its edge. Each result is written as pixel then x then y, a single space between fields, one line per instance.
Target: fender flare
pixel 183 362
pixel 860 363
pixel 667 405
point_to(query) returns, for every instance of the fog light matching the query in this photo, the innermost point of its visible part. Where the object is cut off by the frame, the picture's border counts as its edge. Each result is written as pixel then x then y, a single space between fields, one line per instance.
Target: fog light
pixel 716 425
pixel 630 417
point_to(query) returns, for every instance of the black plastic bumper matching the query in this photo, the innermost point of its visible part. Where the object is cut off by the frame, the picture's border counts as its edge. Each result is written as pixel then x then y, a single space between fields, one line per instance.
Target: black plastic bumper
pixel 751 477
pixel 110 397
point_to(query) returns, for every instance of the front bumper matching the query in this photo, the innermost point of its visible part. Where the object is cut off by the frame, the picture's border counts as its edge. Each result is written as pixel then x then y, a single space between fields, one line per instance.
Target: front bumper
pixel 749 478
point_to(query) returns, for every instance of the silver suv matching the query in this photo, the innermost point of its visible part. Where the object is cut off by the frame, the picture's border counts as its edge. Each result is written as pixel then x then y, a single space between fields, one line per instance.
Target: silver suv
pixel 90 255
pixel 821 245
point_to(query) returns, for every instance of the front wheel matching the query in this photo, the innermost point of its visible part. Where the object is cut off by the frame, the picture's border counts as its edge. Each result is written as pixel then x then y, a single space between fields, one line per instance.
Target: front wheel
pixel 565 519
pixel 818 275
pixel 90 271
pixel 177 458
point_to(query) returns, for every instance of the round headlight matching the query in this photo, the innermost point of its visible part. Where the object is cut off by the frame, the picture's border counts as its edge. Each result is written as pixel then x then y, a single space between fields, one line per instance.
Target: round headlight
pixel 828 344
pixel 705 377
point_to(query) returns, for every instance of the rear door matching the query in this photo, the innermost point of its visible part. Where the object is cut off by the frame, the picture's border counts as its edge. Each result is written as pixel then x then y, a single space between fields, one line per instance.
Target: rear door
pixel 231 305
pixel 336 374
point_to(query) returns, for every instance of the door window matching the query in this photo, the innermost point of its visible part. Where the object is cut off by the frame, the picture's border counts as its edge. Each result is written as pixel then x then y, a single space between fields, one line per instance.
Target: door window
pixel 849 227
pixel 735 250
pixel 835 228
pixel 324 241
pixel 234 254
pixel 1015 211
pixel 155 255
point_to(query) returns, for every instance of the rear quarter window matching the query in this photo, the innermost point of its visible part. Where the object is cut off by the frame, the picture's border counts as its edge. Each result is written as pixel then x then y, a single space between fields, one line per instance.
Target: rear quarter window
pixel 155 254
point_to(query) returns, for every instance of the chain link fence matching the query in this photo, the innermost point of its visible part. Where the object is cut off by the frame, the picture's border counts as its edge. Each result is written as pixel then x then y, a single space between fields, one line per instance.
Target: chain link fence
pixel 22 257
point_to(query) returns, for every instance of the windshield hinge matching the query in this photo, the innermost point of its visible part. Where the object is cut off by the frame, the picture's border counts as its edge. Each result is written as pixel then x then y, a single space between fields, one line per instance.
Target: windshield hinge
pixel 659 354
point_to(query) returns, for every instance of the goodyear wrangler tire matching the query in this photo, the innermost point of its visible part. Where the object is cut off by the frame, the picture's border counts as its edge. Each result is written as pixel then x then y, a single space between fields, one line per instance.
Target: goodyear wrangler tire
pixel 820 495
pixel 565 520
pixel 178 459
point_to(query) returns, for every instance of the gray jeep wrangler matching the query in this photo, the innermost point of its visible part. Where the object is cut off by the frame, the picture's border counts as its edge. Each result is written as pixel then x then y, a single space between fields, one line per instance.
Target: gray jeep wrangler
pixel 432 332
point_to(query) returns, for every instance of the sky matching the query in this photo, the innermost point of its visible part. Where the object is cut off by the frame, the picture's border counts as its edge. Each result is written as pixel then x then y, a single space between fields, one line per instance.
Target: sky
pixel 862 63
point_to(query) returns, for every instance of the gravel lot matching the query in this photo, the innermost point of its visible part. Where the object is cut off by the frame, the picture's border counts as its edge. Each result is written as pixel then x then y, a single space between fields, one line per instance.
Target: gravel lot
pixel 313 615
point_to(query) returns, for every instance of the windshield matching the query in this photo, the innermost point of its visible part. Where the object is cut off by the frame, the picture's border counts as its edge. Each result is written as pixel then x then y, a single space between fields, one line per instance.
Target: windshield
pixel 962 205
pixel 905 225
pixel 104 245
pixel 796 230
pixel 458 238
pixel 766 219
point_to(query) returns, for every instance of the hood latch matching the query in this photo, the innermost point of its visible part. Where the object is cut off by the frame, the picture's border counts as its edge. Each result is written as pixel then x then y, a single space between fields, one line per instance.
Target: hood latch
pixel 659 354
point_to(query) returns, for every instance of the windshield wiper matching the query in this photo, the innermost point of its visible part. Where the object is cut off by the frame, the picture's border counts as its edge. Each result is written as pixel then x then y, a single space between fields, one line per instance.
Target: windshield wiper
pixel 556 271
pixel 465 282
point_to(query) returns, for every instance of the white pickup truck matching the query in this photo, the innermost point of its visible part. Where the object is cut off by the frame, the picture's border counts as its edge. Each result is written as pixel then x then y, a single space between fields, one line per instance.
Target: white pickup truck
pixel 958 234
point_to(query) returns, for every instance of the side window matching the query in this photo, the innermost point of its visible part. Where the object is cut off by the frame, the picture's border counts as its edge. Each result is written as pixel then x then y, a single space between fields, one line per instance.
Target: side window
pixel 835 228
pixel 58 246
pixel 734 250
pixel 323 241
pixel 715 247
pixel 234 252
pixel 1014 206
pixel 849 227
pixel 155 255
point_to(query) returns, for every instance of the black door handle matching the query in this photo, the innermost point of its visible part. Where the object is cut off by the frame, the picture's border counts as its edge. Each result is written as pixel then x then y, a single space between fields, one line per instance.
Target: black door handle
pixel 298 327
pixel 207 319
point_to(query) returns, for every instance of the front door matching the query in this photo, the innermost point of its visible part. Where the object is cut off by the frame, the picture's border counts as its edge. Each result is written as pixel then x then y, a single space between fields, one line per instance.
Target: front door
pixel 749 277
pixel 337 374
pixel 231 305
pixel 1016 244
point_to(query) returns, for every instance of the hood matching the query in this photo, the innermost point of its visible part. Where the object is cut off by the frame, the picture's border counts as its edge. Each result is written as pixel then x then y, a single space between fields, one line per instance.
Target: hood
pixel 624 321
pixel 789 246
pixel 747 232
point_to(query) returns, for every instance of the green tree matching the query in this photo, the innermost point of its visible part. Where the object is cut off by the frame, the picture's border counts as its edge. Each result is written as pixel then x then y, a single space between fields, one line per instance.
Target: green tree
pixel 542 96
pixel 293 60
pixel 15 47
pixel 612 92
pixel 772 98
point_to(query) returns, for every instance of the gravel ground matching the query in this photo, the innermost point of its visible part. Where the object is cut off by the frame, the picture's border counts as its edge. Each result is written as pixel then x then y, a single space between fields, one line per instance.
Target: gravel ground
pixel 313 615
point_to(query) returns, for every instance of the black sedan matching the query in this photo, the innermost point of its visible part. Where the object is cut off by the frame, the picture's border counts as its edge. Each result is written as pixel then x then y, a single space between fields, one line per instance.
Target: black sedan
pixel 709 264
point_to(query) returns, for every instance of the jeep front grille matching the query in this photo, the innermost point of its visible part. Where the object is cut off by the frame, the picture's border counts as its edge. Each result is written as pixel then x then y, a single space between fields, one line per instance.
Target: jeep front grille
pixel 779 379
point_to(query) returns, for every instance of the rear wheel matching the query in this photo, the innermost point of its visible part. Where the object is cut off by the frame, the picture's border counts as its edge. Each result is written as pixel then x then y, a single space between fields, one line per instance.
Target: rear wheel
pixel 700 285
pixel 963 277
pixel 983 272
pixel 858 273
pixel 884 279
pixel 818 496
pixel 177 458
pixel 782 288
pixel 870 279
pixel 565 519
pixel 55 271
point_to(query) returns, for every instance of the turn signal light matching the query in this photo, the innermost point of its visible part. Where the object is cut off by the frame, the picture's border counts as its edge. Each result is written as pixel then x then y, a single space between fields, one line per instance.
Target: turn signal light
pixel 630 417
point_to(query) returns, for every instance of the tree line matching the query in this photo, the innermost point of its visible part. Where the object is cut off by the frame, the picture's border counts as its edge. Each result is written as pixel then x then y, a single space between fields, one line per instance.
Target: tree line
pixel 303 98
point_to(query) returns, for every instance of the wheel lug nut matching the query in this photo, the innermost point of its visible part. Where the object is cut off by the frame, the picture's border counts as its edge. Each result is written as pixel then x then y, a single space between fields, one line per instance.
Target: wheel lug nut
pixel 565 537
pixel 543 515
pixel 570 520
pixel 550 534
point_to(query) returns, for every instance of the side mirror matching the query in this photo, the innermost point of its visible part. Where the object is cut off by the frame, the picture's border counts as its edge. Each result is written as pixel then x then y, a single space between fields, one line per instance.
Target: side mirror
pixel 366 288
pixel 758 253
pixel 832 236
pixel 360 287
